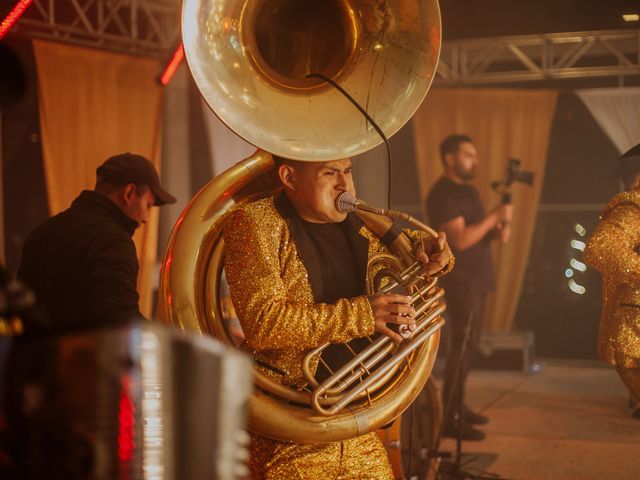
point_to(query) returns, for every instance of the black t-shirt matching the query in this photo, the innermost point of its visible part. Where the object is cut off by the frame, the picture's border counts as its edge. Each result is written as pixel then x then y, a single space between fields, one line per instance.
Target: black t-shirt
pixel 337 261
pixel 340 279
pixel 448 200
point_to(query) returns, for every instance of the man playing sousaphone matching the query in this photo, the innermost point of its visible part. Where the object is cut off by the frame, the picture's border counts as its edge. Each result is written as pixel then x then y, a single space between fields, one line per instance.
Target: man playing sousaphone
pixel 296 268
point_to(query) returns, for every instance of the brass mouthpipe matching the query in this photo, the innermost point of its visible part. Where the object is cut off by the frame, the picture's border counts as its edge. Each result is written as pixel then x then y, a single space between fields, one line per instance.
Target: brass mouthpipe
pixel 346 202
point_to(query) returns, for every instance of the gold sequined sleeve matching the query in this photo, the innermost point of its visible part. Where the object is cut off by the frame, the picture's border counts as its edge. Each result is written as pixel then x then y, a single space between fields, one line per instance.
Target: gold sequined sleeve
pixel 611 249
pixel 270 317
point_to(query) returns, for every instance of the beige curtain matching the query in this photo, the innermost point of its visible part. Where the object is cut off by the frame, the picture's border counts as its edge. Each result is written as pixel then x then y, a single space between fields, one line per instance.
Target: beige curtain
pixel 94 104
pixel 503 123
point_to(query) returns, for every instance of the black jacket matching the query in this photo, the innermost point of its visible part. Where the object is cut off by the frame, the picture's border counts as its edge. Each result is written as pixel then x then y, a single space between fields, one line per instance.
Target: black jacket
pixel 82 265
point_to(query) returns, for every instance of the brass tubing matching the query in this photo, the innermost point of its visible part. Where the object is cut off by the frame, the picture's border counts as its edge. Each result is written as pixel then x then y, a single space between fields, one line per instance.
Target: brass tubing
pixel 398 357
pixel 354 368
pixel 405 276
pixel 402 353
pixel 323 388
pixel 436 296
pixel 355 361
pixel 357 373
pixel 306 366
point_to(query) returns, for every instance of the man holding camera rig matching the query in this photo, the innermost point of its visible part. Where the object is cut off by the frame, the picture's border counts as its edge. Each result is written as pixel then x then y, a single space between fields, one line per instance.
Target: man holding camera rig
pixel 454 206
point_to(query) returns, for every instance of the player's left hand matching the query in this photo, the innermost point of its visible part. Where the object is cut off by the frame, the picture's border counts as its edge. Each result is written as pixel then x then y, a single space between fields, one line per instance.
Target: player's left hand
pixel 504 232
pixel 434 254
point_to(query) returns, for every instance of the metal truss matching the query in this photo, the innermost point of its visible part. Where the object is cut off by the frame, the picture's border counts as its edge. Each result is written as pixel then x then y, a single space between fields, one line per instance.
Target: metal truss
pixel 144 27
pixel 609 53
pixel 152 28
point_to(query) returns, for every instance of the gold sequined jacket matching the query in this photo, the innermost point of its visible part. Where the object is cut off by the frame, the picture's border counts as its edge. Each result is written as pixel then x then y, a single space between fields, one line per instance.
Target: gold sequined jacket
pixel 614 250
pixel 274 280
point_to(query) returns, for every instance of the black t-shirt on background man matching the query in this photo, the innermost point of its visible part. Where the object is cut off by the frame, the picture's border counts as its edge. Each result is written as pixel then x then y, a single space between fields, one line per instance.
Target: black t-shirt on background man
pixel 474 266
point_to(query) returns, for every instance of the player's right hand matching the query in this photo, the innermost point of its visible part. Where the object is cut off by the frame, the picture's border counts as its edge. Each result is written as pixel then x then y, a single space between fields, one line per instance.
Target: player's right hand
pixel 392 308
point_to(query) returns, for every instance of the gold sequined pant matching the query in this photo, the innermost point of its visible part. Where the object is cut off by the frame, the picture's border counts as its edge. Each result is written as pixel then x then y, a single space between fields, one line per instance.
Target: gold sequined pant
pixel 361 458
pixel 631 378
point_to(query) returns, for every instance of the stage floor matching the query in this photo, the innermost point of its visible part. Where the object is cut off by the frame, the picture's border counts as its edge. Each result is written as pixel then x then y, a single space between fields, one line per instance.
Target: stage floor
pixel 568 421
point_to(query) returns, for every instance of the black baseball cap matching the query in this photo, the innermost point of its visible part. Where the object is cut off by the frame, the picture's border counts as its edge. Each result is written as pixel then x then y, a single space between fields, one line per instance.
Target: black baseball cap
pixel 131 168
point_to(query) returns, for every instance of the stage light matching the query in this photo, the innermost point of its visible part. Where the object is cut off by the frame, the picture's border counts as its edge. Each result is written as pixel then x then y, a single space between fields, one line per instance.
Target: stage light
pixel 172 66
pixel 631 17
pixel 126 423
pixel 13 16
pixel 568 273
pixel 576 288
pixel 581 267
pixel 578 245
pixel 580 230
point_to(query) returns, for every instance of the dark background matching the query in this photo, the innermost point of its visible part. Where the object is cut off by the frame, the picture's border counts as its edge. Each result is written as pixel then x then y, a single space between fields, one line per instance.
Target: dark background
pixel 580 177
pixel 495 18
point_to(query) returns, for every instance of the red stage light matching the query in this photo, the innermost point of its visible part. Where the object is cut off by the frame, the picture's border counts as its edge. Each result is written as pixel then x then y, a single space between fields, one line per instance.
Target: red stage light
pixel 126 424
pixel 172 66
pixel 15 13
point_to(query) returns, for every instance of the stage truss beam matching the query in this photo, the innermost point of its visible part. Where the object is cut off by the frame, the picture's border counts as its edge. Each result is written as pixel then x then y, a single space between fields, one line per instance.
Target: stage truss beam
pixel 526 58
pixel 152 28
pixel 144 27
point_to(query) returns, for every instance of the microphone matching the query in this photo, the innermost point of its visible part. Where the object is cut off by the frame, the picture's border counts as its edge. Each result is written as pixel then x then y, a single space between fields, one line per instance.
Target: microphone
pixel 346 202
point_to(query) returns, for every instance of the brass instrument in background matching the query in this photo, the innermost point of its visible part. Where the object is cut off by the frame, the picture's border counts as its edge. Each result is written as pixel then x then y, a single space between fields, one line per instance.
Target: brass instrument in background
pixel 251 60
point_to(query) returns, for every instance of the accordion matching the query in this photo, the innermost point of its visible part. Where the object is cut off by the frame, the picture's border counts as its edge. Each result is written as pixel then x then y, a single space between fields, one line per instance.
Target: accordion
pixel 140 401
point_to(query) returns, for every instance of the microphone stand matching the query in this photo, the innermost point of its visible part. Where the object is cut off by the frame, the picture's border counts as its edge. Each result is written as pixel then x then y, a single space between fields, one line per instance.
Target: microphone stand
pixel 454 471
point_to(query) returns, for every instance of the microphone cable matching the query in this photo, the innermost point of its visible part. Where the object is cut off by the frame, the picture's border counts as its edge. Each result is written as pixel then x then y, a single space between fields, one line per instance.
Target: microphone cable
pixel 388 148
pixel 369 119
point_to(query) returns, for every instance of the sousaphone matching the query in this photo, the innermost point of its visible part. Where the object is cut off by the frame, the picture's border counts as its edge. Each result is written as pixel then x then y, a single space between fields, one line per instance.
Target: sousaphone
pixel 251 61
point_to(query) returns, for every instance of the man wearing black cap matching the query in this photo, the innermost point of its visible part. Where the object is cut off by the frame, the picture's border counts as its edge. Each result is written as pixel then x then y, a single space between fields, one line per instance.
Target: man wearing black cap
pixel 612 249
pixel 82 263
